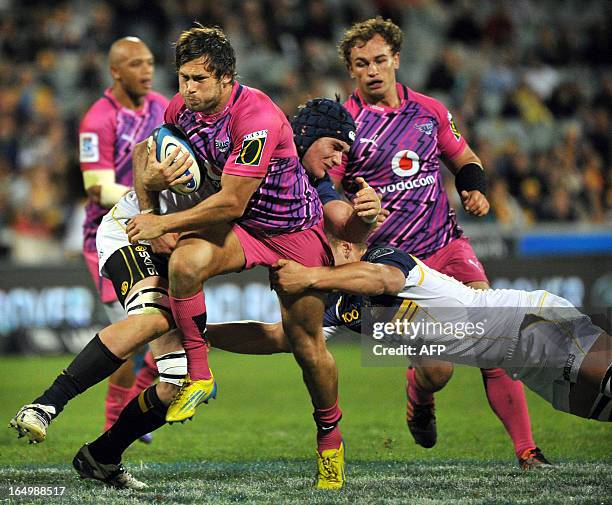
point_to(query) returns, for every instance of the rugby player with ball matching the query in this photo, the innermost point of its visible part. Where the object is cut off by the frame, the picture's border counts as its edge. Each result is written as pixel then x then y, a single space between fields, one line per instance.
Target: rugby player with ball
pixel 139 276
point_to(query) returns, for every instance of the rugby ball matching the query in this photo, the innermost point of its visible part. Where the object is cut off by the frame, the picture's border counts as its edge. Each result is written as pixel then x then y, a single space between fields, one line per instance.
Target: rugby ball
pixel 167 138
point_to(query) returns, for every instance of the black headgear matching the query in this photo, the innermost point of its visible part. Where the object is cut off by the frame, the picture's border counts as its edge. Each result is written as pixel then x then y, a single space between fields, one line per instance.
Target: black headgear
pixel 321 117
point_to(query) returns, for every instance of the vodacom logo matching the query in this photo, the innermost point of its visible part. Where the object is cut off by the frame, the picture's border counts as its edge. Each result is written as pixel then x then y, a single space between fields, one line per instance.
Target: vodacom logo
pixel 405 163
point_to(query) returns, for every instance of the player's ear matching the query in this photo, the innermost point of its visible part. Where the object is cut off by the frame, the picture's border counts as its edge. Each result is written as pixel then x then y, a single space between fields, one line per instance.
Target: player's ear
pixel 115 74
pixel 346 248
pixel 349 67
pixel 396 60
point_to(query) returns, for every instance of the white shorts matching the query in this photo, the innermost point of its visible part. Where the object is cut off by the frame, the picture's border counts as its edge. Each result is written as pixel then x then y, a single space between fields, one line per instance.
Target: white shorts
pixel 551 347
pixel 111 234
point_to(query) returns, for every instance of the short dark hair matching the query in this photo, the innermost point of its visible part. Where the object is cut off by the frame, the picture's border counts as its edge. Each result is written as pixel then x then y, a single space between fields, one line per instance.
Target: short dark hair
pixel 363 31
pixel 211 43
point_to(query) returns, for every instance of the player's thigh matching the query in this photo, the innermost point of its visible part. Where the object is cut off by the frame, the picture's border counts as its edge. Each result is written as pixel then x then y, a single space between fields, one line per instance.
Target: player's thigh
pixel 139 277
pixel 199 256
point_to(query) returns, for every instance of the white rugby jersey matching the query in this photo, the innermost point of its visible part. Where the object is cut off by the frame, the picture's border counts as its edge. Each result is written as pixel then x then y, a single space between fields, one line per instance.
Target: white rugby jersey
pixel 435 308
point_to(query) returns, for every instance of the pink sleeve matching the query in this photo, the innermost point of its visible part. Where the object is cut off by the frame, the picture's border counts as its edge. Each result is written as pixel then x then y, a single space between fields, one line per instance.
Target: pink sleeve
pixel 450 140
pixel 255 136
pixel 97 138
pixel 174 106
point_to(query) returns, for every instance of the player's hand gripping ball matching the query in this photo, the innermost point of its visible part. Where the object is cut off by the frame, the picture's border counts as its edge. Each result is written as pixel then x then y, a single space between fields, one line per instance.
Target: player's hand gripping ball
pixel 168 138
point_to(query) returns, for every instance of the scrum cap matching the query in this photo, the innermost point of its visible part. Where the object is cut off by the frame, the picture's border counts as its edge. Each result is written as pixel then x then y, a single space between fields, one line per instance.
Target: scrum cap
pixel 321 117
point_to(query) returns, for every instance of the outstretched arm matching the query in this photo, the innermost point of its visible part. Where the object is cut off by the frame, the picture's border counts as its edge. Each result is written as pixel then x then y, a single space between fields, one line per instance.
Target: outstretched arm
pixel 359 278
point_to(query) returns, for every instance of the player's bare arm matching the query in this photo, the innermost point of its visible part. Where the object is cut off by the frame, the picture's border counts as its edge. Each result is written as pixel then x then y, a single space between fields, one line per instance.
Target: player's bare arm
pixel 353 223
pixel 223 207
pixel 359 278
pixel 465 168
pixel 248 337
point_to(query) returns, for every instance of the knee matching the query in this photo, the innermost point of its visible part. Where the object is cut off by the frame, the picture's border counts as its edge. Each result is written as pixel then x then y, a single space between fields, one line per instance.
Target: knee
pixel 125 337
pixel 187 272
pixel 434 377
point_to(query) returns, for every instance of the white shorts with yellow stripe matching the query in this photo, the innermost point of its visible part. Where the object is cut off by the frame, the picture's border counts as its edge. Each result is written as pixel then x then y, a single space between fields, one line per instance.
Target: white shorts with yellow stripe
pixel 552 344
pixel 111 234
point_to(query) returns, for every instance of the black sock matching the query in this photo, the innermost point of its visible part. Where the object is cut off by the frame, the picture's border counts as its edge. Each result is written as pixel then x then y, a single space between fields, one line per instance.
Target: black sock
pixel 93 364
pixel 144 414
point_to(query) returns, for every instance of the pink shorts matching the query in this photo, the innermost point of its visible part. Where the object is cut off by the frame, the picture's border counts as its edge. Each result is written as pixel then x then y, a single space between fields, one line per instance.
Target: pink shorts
pixel 457 259
pixel 104 286
pixel 309 247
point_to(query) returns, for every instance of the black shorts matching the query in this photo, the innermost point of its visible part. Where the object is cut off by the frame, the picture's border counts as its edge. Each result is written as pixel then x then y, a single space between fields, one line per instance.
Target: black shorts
pixel 131 264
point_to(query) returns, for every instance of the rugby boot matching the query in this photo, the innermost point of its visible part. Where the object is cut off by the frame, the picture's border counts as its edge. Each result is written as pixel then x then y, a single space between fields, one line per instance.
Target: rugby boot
pixel 191 394
pixel 421 421
pixel 112 475
pixel 32 421
pixel 533 459
pixel 330 466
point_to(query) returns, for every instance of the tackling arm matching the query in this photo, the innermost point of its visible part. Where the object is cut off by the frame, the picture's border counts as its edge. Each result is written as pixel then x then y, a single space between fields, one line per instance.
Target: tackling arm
pixel 342 222
pixel 248 337
pixel 359 278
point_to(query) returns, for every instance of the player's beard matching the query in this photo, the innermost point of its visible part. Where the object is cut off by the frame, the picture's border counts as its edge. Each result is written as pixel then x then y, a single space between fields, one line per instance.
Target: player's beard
pixel 209 105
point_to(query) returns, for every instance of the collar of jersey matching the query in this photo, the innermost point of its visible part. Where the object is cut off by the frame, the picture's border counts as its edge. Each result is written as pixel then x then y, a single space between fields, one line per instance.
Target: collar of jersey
pixel 402 92
pixel 108 94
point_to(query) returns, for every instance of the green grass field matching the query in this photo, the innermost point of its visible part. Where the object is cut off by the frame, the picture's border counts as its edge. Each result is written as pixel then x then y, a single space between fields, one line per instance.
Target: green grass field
pixel 256 443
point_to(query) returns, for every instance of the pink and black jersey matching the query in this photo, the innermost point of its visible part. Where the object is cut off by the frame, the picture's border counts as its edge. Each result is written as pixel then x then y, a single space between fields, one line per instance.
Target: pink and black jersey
pixel 396 151
pixel 251 137
pixel 107 136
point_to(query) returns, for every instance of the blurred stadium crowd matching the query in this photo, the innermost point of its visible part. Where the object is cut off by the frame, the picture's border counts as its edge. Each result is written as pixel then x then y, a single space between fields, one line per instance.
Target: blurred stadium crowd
pixel 529 83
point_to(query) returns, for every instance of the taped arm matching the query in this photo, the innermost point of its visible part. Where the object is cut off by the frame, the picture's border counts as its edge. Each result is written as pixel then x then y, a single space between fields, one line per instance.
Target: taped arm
pixel 101 187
